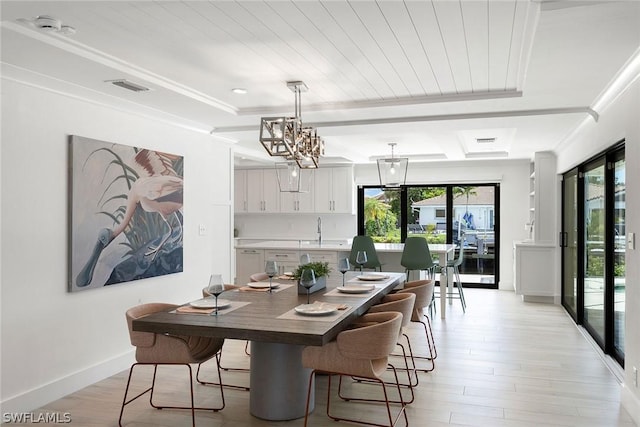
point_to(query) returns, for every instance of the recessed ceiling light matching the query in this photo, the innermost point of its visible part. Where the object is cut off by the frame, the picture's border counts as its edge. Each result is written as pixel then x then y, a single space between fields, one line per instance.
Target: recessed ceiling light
pixel 239 90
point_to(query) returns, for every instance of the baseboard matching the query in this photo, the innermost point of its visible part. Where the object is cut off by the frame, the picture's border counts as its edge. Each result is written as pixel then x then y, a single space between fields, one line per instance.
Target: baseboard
pixel 631 403
pixel 40 396
pixel 539 298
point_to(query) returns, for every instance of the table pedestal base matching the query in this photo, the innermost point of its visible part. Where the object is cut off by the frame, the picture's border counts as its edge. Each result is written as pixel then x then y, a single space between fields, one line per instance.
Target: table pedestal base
pixel 278 382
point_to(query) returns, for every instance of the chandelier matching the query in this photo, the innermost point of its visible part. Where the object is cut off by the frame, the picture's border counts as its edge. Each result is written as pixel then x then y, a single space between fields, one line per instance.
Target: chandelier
pixel 393 170
pixel 288 138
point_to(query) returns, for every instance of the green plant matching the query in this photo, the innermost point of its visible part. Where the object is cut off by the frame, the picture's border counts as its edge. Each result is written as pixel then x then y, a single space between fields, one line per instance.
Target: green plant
pixel 319 268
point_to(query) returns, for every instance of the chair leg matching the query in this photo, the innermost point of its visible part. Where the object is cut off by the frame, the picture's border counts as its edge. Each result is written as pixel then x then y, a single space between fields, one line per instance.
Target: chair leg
pixel 191 382
pixel 460 291
pixel 126 391
pixel 220 383
pixel 432 346
pixel 392 422
pixel 410 385
pixel 306 411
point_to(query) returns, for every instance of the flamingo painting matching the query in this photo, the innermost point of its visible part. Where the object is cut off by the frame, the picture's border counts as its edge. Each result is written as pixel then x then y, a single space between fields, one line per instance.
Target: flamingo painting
pixel 150 216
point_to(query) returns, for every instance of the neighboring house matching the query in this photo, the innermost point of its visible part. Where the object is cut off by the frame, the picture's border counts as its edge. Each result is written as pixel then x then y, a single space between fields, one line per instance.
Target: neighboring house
pixel 476 213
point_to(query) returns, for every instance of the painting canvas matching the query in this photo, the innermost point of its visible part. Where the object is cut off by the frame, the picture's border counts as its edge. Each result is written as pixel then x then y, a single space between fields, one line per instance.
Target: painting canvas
pixel 126 213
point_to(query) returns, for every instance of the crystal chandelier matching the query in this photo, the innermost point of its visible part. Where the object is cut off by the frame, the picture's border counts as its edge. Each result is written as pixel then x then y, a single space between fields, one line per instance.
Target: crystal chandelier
pixel 393 170
pixel 288 138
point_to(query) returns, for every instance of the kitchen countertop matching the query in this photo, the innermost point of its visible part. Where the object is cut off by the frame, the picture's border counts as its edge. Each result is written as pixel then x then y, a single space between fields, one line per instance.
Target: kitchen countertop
pixel 307 245
pixel 312 245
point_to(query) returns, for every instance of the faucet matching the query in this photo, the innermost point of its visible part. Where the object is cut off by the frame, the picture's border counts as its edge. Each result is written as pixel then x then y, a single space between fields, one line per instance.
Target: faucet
pixel 319 231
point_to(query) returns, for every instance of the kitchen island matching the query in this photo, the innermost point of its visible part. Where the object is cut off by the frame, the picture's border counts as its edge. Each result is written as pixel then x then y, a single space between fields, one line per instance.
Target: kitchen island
pixel 251 257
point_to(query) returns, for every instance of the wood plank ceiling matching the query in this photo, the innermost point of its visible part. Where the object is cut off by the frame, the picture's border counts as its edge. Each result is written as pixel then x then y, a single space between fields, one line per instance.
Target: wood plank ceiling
pixel 429 75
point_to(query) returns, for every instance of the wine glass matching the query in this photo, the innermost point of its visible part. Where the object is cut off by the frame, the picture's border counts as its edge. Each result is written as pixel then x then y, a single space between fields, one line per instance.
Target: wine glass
pixel 305 259
pixel 343 267
pixel 308 279
pixel 215 288
pixel 271 269
pixel 361 258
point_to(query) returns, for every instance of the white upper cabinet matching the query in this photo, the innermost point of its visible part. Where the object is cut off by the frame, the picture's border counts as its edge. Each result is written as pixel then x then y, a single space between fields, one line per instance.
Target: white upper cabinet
pixel 262 191
pixel 297 202
pixel 331 191
pixel 240 191
pixel 334 190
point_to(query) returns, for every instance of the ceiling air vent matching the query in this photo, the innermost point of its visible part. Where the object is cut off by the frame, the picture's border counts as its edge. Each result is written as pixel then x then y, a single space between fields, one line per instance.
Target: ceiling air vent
pixel 485 140
pixel 128 85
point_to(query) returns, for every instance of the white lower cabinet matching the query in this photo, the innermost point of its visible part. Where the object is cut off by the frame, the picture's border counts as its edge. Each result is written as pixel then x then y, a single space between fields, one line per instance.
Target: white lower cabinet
pixel 535 272
pixel 287 260
pixel 248 262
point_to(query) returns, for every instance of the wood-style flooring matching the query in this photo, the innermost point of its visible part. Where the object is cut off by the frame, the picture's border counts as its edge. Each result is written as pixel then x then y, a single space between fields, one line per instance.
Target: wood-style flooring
pixel 503 363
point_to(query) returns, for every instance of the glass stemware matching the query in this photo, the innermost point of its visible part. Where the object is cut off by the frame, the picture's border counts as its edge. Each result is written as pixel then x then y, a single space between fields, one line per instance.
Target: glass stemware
pixel 305 259
pixel 308 279
pixel 343 267
pixel 271 269
pixel 361 258
pixel 215 288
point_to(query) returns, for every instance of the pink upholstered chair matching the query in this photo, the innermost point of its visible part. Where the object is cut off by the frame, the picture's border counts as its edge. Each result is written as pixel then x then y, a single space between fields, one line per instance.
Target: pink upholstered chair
pixel 162 349
pixel 401 303
pixel 423 290
pixel 259 277
pixel 362 351
pixel 206 294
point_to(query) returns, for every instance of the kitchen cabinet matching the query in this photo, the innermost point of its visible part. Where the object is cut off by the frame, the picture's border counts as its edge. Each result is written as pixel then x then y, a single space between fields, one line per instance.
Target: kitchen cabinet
pixel 248 262
pixel 263 195
pixel 334 190
pixel 240 203
pixel 286 260
pixel 298 202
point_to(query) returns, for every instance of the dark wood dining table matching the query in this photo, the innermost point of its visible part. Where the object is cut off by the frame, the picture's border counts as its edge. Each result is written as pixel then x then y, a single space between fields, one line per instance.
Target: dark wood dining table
pixel 278 381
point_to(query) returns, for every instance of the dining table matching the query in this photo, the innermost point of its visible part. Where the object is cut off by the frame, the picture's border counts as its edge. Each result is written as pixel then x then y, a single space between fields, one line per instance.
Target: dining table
pixel 279 324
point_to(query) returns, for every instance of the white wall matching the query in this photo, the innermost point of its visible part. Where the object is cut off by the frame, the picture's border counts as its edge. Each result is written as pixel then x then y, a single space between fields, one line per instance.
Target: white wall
pixel 619 121
pixel 55 342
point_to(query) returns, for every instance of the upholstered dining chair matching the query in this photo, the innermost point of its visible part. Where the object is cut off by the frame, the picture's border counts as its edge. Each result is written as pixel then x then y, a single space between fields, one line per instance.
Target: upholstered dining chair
pixel 401 303
pixel 423 290
pixel 164 349
pixel 364 243
pixel 416 256
pixel 206 294
pixel 259 277
pixel 362 351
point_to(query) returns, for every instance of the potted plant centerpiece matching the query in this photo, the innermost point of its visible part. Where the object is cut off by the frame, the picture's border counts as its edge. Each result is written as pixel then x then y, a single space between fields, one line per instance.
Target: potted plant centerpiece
pixel 321 271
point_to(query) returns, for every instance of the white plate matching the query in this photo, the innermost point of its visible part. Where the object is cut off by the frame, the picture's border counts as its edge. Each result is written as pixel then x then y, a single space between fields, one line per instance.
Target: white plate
pixel 262 285
pixel 315 309
pixel 372 277
pixel 355 289
pixel 210 303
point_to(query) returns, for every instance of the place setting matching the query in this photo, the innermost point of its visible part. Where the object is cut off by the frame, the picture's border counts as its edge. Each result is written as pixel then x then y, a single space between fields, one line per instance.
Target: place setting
pixel 318 310
pixel 212 305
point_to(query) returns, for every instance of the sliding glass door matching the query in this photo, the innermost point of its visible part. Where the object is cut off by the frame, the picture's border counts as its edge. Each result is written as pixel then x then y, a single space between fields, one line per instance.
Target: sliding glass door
pixel 464 215
pixel 569 243
pixel 619 252
pixel 593 248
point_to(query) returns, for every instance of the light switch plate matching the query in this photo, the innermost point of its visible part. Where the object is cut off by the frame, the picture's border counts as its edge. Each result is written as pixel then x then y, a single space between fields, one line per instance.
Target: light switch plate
pixel 631 240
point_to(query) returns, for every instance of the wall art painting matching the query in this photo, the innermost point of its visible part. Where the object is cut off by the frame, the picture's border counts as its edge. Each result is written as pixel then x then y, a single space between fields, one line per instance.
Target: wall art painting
pixel 126 213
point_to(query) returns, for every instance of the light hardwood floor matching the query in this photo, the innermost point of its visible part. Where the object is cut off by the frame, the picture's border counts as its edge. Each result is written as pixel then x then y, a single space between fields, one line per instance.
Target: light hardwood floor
pixel 504 363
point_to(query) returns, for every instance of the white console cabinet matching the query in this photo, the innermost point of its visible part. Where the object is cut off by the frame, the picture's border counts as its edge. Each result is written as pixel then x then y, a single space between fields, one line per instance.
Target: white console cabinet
pixel 535 269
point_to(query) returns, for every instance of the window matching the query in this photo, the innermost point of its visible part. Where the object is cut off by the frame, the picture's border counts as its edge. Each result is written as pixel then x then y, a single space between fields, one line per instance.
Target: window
pixel 464 215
